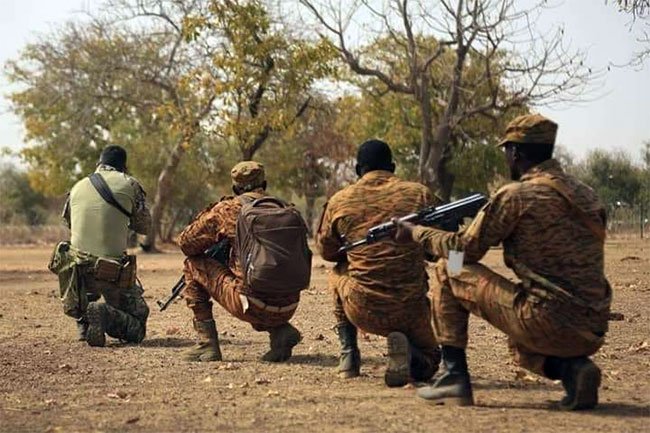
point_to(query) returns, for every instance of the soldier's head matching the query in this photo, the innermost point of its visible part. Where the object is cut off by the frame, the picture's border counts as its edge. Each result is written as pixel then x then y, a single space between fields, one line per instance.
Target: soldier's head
pixel 374 155
pixel 529 140
pixel 247 176
pixel 115 156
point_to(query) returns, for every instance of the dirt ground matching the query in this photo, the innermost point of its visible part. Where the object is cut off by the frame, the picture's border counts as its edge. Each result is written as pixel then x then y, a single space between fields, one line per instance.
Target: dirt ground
pixel 49 382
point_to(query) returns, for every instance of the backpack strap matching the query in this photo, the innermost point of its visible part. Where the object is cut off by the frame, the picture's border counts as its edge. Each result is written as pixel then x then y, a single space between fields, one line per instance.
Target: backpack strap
pixel 269 199
pixel 105 192
pixel 597 229
pixel 255 201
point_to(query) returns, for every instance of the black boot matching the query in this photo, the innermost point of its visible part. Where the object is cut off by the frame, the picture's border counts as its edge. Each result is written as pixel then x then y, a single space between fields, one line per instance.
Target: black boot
pixel 454 387
pixel 423 367
pixel 350 360
pixel 96 317
pixel 580 379
pixel 82 329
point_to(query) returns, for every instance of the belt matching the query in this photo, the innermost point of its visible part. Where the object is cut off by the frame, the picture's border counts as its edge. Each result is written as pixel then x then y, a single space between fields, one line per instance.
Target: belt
pixel 271 308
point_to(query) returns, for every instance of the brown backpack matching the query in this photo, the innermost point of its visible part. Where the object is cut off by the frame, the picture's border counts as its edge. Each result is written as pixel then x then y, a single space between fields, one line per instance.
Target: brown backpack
pixel 271 240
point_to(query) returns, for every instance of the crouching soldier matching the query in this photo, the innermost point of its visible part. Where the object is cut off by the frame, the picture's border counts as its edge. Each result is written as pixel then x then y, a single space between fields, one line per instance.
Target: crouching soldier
pixel 380 288
pixel 552 228
pixel 100 210
pixel 258 283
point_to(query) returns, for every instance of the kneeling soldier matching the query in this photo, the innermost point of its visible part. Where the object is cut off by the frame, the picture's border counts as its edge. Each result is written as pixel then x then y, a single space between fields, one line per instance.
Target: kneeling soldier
pixel 100 210
pixel 208 279
pixel 380 288
pixel 552 228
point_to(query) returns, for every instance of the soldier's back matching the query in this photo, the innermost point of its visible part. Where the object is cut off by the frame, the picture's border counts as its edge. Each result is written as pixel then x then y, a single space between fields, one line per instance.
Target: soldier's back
pixel 385 269
pixel 96 226
pixel 552 240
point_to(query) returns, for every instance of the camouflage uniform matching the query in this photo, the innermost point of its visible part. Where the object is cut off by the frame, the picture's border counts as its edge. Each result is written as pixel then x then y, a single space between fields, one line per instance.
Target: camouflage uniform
pixel 208 279
pixel 552 230
pixel 380 288
pixel 100 231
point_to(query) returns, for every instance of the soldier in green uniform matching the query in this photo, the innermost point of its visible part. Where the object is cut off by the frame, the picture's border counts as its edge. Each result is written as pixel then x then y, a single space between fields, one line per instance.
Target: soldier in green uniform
pixel 552 228
pixel 380 288
pixel 94 263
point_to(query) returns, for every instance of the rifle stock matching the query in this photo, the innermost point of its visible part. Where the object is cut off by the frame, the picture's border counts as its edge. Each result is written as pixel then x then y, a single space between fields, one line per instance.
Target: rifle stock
pixel 445 217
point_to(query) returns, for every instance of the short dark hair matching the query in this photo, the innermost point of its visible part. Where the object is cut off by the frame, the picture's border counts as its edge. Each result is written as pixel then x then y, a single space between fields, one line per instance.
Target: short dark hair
pixel 534 152
pixel 115 156
pixel 375 155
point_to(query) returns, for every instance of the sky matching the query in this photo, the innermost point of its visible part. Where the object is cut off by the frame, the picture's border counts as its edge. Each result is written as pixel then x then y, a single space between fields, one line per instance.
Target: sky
pixel 618 119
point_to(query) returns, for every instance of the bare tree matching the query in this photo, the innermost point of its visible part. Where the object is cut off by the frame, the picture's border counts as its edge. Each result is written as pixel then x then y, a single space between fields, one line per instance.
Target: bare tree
pixel 520 66
pixel 640 11
pixel 638 8
pixel 188 99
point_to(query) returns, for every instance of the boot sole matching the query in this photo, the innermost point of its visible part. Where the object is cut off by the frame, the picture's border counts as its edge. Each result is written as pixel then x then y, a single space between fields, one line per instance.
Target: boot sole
pixel 398 371
pixel 587 384
pixel 95 335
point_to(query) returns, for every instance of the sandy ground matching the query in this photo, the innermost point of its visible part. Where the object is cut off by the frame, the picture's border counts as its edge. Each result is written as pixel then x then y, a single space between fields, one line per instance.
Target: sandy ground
pixel 49 382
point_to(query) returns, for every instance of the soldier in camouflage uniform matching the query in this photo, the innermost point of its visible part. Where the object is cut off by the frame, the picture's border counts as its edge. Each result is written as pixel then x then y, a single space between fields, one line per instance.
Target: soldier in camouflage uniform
pixel 552 228
pixel 380 288
pixel 206 278
pixel 99 233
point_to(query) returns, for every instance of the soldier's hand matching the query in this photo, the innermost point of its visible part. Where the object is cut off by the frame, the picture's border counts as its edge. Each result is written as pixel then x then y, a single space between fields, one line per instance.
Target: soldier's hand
pixel 404 232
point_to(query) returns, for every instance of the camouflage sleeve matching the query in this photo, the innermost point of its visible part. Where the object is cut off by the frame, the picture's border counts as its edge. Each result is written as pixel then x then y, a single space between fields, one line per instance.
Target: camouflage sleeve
pixel 140 215
pixel 328 241
pixel 431 199
pixel 490 227
pixel 66 211
pixel 209 227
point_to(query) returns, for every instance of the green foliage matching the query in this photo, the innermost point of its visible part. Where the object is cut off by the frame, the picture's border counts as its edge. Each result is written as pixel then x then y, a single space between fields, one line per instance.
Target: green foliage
pixel 616 179
pixel 19 203
pixel 396 118
pixel 264 75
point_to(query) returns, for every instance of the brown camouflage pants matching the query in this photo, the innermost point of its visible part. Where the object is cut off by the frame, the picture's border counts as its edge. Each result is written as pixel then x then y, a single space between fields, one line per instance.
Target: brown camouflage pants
pixel 207 278
pixel 413 319
pixel 535 328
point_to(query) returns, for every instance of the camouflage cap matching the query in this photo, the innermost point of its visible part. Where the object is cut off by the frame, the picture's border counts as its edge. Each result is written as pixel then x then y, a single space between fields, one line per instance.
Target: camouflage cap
pixel 247 175
pixel 530 128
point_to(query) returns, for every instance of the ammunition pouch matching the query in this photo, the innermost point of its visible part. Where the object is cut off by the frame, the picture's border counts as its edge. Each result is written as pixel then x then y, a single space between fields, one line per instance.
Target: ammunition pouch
pixel 68 263
pixel 120 272
pixel 59 259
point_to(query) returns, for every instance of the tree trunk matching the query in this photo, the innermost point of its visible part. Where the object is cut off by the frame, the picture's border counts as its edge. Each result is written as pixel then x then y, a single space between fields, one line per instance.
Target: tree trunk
pixel 169 230
pixel 435 153
pixel 163 192
pixel 310 202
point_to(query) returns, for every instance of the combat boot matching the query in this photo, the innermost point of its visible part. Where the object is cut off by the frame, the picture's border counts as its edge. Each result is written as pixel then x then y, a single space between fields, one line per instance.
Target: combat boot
pixel 207 349
pixel 350 360
pixel 282 340
pixel 96 317
pixel 580 379
pixel 423 367
pixel 82 329
pixel 398 371
pixel 454 387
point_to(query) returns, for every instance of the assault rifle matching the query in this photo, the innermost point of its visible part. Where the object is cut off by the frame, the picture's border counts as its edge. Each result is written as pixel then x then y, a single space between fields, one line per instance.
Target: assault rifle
pixel 445 217
pixel 219 252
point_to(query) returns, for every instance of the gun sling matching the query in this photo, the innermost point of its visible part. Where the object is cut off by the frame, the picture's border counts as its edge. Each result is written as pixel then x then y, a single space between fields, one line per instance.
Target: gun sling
pixel 105 192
